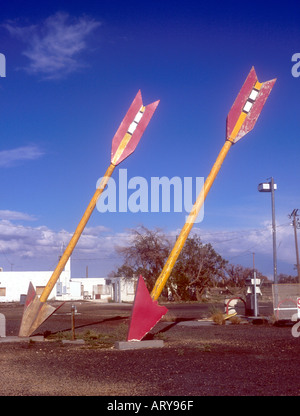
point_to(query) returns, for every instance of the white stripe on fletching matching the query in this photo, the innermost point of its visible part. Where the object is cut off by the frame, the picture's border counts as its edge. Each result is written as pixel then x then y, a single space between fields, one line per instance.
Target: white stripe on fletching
pixel 253 95
pixel 247 106
pixel 249 103
pixel 136 121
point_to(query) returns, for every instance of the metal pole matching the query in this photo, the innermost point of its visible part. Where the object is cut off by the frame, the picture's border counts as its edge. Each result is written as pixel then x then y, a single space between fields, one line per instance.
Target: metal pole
pixel 296 242
pixel 254 281
pixel 255 295
pixel 73 322
pixel 274 243
pixel 274 232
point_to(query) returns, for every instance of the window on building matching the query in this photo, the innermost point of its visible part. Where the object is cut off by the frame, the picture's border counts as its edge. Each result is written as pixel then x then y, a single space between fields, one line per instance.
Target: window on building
pixel 2 291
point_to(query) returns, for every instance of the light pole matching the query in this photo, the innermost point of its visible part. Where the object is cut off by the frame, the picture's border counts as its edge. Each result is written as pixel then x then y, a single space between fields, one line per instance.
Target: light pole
pixel 296 224
pixel 271 187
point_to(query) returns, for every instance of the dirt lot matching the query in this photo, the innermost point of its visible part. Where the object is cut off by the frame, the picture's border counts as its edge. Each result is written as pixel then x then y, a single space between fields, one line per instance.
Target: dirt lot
pixel 209 360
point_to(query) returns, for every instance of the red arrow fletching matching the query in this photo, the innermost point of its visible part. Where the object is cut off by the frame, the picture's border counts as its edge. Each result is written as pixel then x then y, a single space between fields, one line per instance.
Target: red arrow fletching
pixel 145 313
pixel 131 115
pixel 35 313
pixel 249 101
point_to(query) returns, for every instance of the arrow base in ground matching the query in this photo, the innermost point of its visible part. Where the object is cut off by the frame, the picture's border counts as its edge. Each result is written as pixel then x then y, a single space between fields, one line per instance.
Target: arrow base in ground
pixel 145 313
pixel 35 313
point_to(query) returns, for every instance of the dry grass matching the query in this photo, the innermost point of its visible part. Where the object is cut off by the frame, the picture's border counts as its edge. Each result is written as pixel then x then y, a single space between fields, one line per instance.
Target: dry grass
pixel 235 320
pixel 218 318
pixel 169 317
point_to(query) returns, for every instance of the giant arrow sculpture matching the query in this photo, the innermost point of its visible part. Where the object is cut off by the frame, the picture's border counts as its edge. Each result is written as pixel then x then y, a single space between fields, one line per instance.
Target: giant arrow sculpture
pixel 36 310
pixel 241 119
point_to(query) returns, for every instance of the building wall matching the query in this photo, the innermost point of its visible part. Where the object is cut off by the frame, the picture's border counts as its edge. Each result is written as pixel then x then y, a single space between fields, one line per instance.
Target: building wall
pixel 116 289
pixel 128 289
pixel 14 284
pixel 91 287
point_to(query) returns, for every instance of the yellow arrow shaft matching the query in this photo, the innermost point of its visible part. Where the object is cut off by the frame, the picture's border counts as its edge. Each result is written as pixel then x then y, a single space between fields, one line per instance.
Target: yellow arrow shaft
pixel 68 251
pixel 88 212
pixel 165 273
pixel 238 126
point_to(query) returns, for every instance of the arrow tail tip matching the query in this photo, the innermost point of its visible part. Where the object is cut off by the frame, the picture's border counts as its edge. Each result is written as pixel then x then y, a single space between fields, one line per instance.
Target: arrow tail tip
pixel 247 106
pixel 131 129
pixel 35 313
pixel 145 313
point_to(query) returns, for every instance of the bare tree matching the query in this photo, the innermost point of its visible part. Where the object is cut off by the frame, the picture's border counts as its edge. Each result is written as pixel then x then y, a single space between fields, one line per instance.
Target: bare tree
pixel 237 274
pixel 147 253
pixel 198 267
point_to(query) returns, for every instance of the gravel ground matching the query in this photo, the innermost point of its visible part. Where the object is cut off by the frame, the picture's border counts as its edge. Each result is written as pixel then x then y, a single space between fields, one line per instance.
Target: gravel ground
pixel 214 360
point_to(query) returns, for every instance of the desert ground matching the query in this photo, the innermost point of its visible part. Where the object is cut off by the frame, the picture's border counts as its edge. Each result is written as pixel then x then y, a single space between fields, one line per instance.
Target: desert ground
pixel 198 358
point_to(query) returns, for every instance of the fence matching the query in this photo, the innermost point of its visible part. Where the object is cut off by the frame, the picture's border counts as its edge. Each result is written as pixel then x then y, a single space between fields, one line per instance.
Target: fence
pixel 285 301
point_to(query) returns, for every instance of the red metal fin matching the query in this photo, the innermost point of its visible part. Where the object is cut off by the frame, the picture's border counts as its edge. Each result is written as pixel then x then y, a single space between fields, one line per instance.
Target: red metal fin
pixel 255 111
pixel 240 101
pixel 261 92
pixel 30 295
pixel 145 313
pixel 35 313
pixel 133 109
pixel 124 126
pixel 148 113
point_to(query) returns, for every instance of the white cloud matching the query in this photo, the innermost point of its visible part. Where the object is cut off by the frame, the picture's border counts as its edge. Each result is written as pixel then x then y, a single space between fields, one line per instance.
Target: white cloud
pixel 38 248
pixel 15 215
pixel 234 245
pixel 99 229
pixel 11 157
pixel 30 248
pixel 53 47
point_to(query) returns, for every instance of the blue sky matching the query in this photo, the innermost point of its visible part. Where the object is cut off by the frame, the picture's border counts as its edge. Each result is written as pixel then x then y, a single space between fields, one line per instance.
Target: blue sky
pixel 72 70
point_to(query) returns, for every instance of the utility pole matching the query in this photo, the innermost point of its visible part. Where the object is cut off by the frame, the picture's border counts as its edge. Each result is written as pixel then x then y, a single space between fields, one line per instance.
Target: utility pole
pixel 296 224
pixel 274 231
pixel 271 187
pixel 254 287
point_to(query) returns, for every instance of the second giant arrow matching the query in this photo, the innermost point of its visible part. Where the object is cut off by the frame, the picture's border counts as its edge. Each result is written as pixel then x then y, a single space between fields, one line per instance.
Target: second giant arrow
pixel 36 310
pixel 240 120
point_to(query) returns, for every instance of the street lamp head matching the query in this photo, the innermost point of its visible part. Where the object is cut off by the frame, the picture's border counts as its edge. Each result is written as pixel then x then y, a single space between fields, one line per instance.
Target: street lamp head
pixel 266 187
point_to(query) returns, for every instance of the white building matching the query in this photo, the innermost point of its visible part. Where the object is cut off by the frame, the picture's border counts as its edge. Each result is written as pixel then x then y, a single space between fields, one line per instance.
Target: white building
pixel 14 286
pixel 116 289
